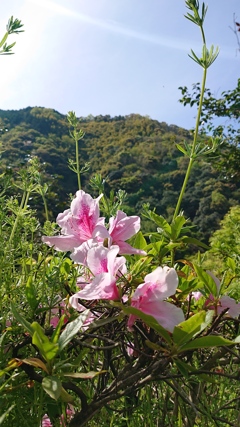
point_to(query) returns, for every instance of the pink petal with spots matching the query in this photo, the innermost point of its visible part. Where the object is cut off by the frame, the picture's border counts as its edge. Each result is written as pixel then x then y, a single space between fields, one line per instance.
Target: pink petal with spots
pixel 79 223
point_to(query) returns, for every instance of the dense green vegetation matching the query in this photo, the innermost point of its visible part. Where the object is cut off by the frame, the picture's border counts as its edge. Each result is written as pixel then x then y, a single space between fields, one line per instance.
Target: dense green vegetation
pixel 134 153
pixel 89 337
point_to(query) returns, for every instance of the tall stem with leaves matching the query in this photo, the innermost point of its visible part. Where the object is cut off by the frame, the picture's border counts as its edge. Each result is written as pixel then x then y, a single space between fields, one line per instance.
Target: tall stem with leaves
pixel 77 134
pixel 13 27
pixel 205 61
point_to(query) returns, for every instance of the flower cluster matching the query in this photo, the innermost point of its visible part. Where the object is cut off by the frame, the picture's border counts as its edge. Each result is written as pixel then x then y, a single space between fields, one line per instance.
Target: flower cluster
pixel 99 250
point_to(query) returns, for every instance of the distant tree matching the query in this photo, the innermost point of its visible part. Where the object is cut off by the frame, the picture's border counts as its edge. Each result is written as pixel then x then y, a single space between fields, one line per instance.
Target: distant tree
pixel 227 108
pixel 225 242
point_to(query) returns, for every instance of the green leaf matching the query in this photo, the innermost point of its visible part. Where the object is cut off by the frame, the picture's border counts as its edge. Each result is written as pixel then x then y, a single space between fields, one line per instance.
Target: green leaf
pixel 3 39
pixel 185 368
pixel 66 266
pixel 21 319
pixel 177 226
pixel 48 349
pixel 149 320
pixel 84 375
pixel 37 363
pixel 182 367
pixel 231 264
pixel 206 342
pixel 37 328
pixel 52 386
pixel 153 345
pixel 58 328
pixel 184 332
pixel 31 294
pixel 2 338
pixel 180 148
pixel 65 396
pixel 194 241
pixel 161 222
pixel 207 280
pixel 72 329
pixel 140 241
pixel 140 266
pixel 101 322
pixel 5 414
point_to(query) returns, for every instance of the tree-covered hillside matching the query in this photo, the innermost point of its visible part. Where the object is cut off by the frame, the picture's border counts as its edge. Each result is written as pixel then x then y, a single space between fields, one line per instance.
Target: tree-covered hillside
pixel 134 153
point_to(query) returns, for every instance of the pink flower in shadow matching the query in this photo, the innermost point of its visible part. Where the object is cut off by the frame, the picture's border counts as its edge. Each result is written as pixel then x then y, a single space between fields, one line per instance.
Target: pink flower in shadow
pixel 46 421
pixel 219 304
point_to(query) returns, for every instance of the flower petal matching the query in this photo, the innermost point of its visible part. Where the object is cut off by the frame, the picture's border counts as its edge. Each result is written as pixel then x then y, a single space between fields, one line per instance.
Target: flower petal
pixel 231 304
pixel 61 243
pixel 166 280
pixel 126 249
pixel 166 314
pixel 122 227
pixel 103 286
pixel 85 214
pixel 80 253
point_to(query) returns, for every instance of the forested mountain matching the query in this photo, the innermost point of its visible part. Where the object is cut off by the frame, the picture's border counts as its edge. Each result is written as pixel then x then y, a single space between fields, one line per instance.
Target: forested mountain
pixel 133 152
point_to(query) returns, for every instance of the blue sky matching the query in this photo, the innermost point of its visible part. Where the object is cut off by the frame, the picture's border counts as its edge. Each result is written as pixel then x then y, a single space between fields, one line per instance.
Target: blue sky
pixel 114 56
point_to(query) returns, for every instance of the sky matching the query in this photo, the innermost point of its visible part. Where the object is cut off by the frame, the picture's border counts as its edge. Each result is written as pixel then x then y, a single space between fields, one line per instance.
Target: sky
pixel 114 57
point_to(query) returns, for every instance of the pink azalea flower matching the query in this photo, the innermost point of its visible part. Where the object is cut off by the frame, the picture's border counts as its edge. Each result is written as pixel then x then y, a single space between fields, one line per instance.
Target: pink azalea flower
pixel 46 421
pixel 219 304
pixel 149 296
pixel 230 303
pixel 69 414
pixel 195 295
pixel 223 303
pixel 106 268
pixel 122 228
pixel 79 223
pixel 79 253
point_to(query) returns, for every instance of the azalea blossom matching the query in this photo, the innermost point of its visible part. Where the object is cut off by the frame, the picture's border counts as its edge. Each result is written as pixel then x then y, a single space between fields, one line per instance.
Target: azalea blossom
pixel 78 224
pixel 106 268
pixel 69 414
pixel 223 303
pixel 149 298
pixel 219 303
pixel 46 421
pixel 122 228
pixel 195 295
